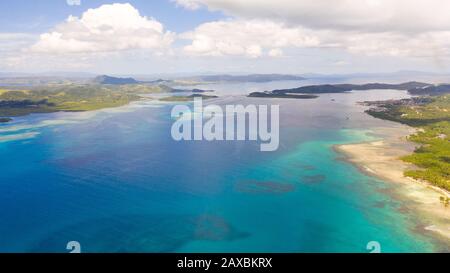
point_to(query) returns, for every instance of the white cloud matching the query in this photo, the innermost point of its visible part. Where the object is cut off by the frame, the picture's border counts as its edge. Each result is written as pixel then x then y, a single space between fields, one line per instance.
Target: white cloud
pixel 252 39
pixel 365 15
pixel 396 28
pixel 276 52
pixel 430 44
pixel 13 41
pixel 189 4
pixel 109 28
pixel 118 36
pixel 258 38
pixel 73 2
pixel 111 37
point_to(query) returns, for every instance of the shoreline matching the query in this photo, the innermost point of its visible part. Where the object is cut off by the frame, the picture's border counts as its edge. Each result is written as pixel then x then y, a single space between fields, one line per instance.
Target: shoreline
pixel 381 159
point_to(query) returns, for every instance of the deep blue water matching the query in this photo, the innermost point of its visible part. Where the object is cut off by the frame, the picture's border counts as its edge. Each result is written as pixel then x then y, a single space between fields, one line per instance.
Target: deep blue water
pixel 115 181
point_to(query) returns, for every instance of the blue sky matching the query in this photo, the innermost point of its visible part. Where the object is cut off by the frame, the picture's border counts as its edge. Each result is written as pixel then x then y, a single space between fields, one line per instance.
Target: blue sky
pixel 195 36
pixel 41 15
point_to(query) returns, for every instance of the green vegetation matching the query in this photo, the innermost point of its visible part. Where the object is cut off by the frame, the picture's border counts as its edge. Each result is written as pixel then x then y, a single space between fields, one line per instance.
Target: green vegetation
pixel 71 97
pixel 312 91
pixel 342 88
pixel 445 201
pixel 432 117
pixel 433 156
pixel 61 98
pixel 81 97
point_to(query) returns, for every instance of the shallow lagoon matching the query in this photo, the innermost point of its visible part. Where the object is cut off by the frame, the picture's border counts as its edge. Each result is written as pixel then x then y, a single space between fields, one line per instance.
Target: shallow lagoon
pixel 115 181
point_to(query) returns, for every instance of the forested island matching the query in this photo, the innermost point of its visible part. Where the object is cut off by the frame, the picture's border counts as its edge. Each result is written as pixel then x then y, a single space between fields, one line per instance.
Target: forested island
pixel 101 92
pixel 414 88
pixel 337 88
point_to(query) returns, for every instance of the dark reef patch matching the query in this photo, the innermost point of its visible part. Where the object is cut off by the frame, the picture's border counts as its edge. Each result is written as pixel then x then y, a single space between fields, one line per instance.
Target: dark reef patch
pixel 313 179
pixel 139 234
pixel 215 228
pixel 254 186
pixel 306 167
pixel 380 204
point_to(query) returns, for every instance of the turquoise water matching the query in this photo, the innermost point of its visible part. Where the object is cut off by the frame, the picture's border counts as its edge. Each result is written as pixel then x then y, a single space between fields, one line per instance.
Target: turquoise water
pixel 115 181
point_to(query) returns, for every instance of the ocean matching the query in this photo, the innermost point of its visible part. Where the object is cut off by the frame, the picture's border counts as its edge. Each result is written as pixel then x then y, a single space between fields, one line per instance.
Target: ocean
pixel 115 181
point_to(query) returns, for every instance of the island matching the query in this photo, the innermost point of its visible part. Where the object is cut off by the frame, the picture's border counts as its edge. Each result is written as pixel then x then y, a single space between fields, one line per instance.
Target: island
pixel 105 79
pixel 5 120
pixel 281 96
pixel 61 98
pixel 110 80
pixel 187 98
pixel 312 91
pixel 79 95
pixel 258 78
pixel 336 88
pixel 74 97
pixel 195 90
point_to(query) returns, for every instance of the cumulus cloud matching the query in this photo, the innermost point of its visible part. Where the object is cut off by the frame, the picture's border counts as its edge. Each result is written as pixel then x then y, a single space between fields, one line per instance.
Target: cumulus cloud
pixel 405 28
pixel 366 15
pixel 13 41
pixel 108 28
pixel 257 38
pixel 253 38
pixel 189 4
pixel 429 44
pixel 254 29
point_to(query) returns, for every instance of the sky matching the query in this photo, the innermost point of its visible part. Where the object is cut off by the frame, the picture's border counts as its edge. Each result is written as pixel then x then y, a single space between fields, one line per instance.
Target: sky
pixel 224 36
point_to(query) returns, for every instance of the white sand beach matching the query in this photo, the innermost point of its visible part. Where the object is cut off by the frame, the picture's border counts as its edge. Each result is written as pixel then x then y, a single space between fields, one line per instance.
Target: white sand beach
pixel 381 158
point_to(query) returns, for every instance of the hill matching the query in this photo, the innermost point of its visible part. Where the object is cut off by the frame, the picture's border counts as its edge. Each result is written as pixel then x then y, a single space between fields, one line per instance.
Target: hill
pixel 104 79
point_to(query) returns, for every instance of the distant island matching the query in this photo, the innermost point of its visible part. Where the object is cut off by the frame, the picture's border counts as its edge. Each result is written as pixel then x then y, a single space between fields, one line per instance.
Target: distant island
pixel 104 79
pixel 341 88
pixel 5 120
pixel 247 78
pixel 258 78
pixel 196 90
pixel 414 88
pixel 281 96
